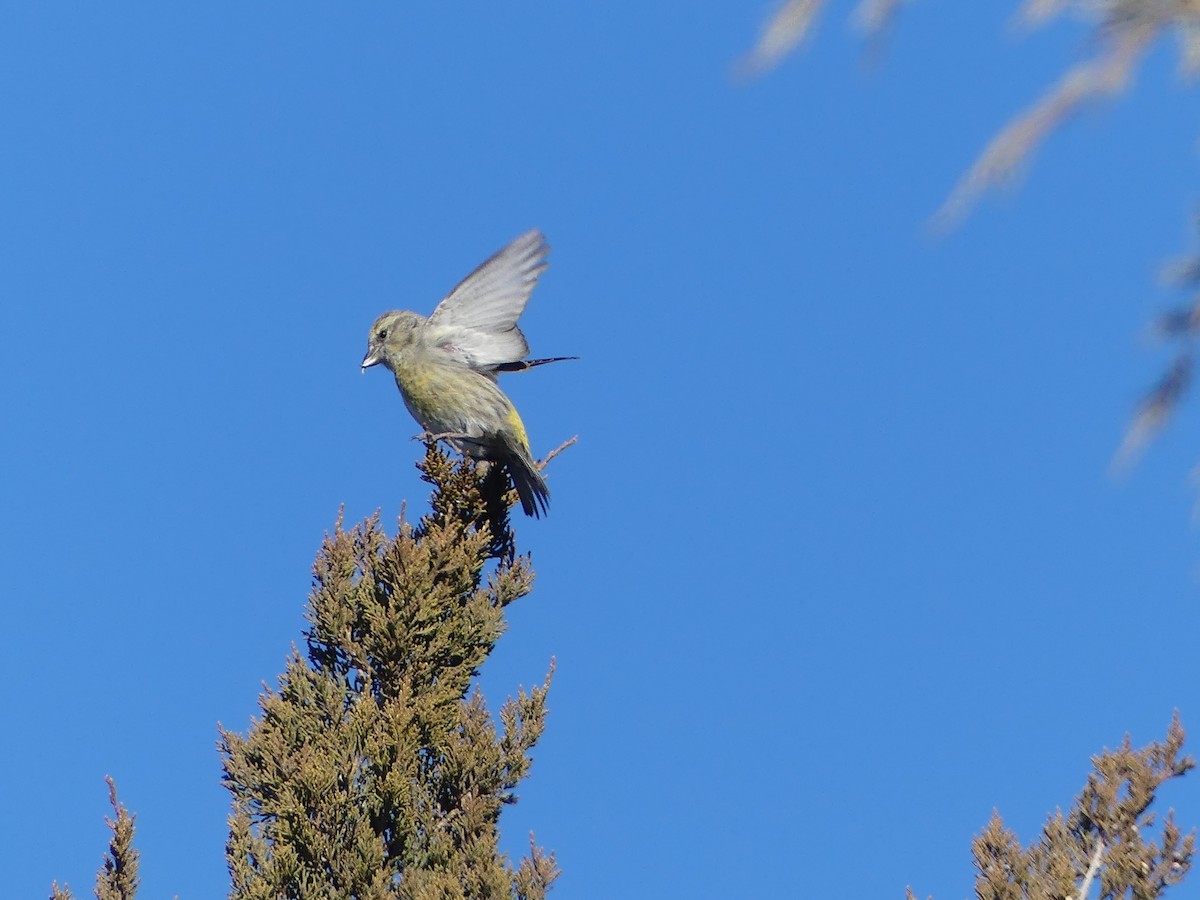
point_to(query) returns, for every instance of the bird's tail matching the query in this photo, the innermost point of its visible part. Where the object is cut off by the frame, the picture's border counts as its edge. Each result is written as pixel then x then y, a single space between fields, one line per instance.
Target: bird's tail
pixel 531 486
pixel 524 365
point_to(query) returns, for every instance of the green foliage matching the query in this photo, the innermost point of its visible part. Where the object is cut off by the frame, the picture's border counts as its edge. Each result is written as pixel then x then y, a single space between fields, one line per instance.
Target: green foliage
pixel 374 771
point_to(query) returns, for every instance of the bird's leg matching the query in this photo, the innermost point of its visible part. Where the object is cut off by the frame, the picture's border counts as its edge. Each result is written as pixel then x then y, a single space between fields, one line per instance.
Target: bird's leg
pixel 426 437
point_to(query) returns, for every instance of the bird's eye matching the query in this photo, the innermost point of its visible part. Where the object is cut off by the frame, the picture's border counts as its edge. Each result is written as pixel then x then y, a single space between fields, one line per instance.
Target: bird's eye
pixel 382 334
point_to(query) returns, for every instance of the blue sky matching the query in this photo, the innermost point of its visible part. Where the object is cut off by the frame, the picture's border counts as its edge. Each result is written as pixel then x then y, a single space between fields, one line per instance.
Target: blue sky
pixel 836 567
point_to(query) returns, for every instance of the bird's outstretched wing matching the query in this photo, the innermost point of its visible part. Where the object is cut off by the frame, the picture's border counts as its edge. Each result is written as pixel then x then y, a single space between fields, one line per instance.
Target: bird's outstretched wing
pixel 477 321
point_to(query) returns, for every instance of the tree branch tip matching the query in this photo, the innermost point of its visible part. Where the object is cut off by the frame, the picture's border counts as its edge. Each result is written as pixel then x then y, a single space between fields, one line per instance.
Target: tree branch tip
pixel 557 450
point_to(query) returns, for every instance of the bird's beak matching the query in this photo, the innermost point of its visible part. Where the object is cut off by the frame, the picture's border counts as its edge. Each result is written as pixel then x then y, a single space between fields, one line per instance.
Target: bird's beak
pixel 371 359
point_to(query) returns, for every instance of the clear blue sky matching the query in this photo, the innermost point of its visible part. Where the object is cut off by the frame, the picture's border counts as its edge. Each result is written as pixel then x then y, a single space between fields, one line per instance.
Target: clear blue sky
pixel 836 567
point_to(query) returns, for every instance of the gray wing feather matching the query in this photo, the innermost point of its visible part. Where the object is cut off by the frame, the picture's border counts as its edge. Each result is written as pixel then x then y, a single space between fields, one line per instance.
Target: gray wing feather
pixel 477 321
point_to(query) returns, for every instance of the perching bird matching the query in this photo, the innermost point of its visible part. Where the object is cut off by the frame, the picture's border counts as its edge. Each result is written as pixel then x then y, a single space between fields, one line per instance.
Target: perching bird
pixel 446 365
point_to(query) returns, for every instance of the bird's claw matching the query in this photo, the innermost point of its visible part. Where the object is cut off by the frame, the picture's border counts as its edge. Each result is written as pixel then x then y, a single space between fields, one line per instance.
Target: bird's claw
pixel 427 438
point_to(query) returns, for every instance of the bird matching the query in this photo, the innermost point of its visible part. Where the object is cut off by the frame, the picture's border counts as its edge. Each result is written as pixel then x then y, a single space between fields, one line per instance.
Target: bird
pixel 446 365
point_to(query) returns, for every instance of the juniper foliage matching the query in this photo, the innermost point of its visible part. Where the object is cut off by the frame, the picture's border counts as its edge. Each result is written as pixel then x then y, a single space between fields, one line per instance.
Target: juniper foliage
pixel 375 771
pixel 1109 837
pixel 118 875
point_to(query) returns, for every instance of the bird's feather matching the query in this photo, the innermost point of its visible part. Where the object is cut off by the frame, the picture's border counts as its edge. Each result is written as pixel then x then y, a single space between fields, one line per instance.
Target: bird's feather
pixel 477 321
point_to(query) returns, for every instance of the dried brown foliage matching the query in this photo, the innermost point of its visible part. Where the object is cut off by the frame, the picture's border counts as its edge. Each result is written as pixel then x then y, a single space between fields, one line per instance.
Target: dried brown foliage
pixel 118 875
pixel 1108 836
pixel 1121 33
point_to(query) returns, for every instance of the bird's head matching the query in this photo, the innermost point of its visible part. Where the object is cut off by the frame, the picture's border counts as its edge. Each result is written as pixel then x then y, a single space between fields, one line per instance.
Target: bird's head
pixel 392 334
